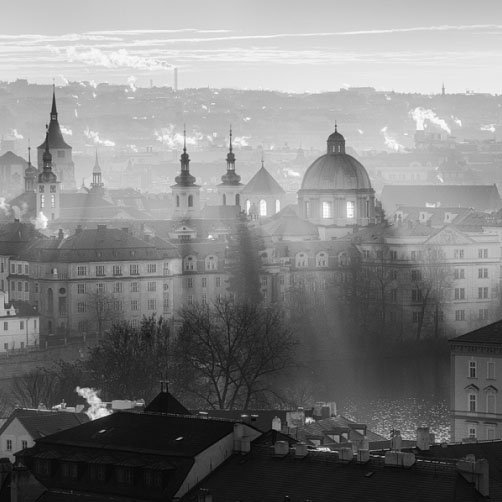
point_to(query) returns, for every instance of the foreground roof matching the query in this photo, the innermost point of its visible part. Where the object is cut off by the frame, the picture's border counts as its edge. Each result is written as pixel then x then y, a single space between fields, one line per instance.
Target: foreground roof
pixel 168 435
pixel 491 334
pixel 261 475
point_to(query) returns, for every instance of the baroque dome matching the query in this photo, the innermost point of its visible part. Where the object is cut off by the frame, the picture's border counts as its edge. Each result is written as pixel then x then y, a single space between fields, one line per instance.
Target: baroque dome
pixel 336 170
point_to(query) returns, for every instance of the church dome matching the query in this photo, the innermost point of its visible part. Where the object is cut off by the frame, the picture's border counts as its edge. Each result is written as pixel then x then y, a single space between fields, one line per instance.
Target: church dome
pixel 336 170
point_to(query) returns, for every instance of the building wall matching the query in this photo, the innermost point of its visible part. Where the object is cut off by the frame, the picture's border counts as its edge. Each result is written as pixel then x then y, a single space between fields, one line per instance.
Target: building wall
pixel 476 371
pixel 13 439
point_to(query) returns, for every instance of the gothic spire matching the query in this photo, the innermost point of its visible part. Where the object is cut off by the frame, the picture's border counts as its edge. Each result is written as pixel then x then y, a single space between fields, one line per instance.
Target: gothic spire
pixel 185 178
pixel 230 177
pixel 54 111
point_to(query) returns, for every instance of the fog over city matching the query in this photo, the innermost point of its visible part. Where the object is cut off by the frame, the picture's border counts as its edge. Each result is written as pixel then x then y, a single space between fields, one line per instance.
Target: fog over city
pixel 244 232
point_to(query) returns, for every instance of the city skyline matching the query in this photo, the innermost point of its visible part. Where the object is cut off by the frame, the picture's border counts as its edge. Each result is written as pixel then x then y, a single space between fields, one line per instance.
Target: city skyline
pixel 286 46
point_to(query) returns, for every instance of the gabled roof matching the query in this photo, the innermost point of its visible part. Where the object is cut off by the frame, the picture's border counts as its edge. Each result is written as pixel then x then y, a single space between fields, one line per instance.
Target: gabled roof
pixel 40 423
pixel 262 183
pixel 168 435
pixel 491 334
pixel 287 224
pixel 15 235
pixel 165 402
pixel 10 158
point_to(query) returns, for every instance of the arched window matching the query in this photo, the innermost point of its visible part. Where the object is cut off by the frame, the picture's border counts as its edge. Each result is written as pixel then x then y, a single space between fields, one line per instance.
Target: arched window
pixel 307 209
pixel 177 201
pixel 350 209
pixel 367 208
pixel 263 207
pixel 211 262
pixel 248 206
pixel 301 260
pixel 277 205
pixel 189 263
pixel 326 210
pixel 237 199
pixel 224 200
pixel 190 201
pixel 321 259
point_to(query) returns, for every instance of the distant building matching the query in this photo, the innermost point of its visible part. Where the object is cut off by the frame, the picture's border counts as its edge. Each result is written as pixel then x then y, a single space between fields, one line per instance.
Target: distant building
pixel 12 169
pixel 476 376
pixel 24 426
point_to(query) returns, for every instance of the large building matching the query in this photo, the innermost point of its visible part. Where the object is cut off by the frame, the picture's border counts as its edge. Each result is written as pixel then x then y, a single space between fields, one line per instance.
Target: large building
pixel 476 373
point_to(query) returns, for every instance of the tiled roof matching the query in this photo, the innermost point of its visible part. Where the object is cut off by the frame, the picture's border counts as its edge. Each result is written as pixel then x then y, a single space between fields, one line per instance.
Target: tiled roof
pixel 40 423
pixel 491 334
pixel 480 197
pixel 262 183
pixel 261 476
pixel 287 223
pixel 15 235
pixel 261 419
pixel 169 435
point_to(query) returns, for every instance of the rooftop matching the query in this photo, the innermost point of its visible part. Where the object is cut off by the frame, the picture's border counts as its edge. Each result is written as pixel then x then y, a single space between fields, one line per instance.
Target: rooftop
pixel 491 334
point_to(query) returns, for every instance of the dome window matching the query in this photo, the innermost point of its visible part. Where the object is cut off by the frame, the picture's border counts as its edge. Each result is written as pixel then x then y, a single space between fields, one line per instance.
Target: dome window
pixel 263 207
pixel 301 260
pixel 277 205
pixel 190 201
pixel 248 206
pixel 237 199
pixel 326 210
pixel 322 259
pixel 350 209
pixel 177 201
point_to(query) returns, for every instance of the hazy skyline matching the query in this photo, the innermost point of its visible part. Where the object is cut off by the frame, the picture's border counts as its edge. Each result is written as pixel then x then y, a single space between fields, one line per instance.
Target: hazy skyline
pixel 285 45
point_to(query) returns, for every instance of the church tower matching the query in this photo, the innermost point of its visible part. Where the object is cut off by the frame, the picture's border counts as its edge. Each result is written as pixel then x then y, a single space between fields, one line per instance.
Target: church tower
pixel 186 194
pixel 60 150
pixel 49 189
pixel 97 185
pixel 30 175
pixel 231 186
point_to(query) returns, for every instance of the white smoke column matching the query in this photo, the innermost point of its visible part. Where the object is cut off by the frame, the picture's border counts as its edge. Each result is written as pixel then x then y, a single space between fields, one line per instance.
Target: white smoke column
pixel 241 141
pixel 97 140
pixel 391 142
pixel 41 221
pixel 420 115
pixel 4 206
pixel 131 81
pixel 16 134
pixel 488 128
pixel 64 79
pixel 172 140
pixel 97 409
pixel 457 121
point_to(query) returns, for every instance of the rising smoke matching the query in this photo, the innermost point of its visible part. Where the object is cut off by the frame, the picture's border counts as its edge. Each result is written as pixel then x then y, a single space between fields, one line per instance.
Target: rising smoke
pixel 97 409
pixel 420 115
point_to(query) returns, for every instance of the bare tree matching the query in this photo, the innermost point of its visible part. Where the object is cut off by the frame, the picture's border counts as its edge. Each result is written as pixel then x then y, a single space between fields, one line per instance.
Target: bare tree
pixel 38 386
pixel 431 281
pixel 232 350
pixel 103 305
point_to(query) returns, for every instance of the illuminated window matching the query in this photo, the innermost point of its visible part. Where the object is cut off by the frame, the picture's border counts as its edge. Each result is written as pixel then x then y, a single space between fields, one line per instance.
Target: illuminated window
pixel 350 209
pixel 326 209
pixel 277 206
pixel 248 206
pixel 263 208
pixel 42 200
pixel 53 200
pixel 307 209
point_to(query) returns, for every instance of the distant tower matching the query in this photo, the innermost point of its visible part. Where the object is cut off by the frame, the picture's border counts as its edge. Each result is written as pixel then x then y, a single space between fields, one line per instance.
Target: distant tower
pixel 48 197
pixel 60 150
pixel 443 90
pixel 231 185
pixel 30 175
pixel 186 194
pixel 97 185
pixel 175 79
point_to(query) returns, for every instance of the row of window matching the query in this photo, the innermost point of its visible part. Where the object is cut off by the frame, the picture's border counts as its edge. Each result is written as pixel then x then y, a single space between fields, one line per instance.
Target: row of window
pixel 190 282
pixel 302 260
pixel 483 315
pixel 21 286
pixel 190 263
pixel 263 207
pixel 118 305
pixel 459 273
pixel 491 402
pixel 21 325
pixel 483 293
pixel 472 370
pixel 472 431
pixel 8 444
pixel 118 287
pixel 18 268
pixel 134 269
pixel 42 200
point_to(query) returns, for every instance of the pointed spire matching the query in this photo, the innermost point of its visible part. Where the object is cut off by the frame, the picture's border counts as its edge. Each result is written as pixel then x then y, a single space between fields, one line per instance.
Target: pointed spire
pixel 230 177
pixel 97 167
pixel 54 111
pixel 230 138
pixel 29 152
pixel 262 159
pixel 185 178
pixel 184 139
pixel 336 126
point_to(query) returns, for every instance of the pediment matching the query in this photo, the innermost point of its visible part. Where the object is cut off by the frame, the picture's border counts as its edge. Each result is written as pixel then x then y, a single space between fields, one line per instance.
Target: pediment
pixel 449 236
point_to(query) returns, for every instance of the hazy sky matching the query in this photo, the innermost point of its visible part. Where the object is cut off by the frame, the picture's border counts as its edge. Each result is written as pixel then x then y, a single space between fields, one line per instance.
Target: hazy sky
pixel 291 45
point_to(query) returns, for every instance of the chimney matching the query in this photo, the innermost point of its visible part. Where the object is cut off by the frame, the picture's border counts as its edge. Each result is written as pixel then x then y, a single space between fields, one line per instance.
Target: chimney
pixel 60 234
pixel 204 495
pixel 423 438
pixel 477 472
pixel 276 424
pixel 301 450
pixel 399 459
pixel 396 441
pixel 345 454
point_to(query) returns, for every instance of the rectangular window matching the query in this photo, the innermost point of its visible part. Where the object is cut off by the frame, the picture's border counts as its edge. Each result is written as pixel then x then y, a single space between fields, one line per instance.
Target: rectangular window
pixel 117 287
pixel 134 305
pixel 21 324
pixel 393 295
pixel 117 270
pixel 152 268
pixel 24 444
pixel 482 293
pixel 473 402
pixel 134 269
pixel 416 295
pixel 459 293
pixel 204 282
pixel 459 315
pixel 458 253
pixel 204 299
pixel 416 275
pixel 459 273
pixel 472 431
pixel 36 287
pixel 166 286
pixel 100 270
pixel 490 370
pixel 100 287
pixel 218 282
pixel 19 269
pixel 326 210
pixel 26 287
pixel 393 255
pixel 483 314
pixel 81 307
pixel 152 286
pixel 81 289
pixel 152 304
pixel 6 326
pixel 189 282
pixel 350 209
pixel 190 300
pixel 8 445
pixel 81 270
pixel 482 273
pixel 26 269
pixel 134 287
pixel 472 369
pixel 165 305
pixel 482 253
pixel 117 305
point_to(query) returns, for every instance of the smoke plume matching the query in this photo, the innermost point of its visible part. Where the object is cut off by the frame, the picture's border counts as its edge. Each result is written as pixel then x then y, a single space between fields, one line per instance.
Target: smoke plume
pixel 420 115
pixel 97 409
